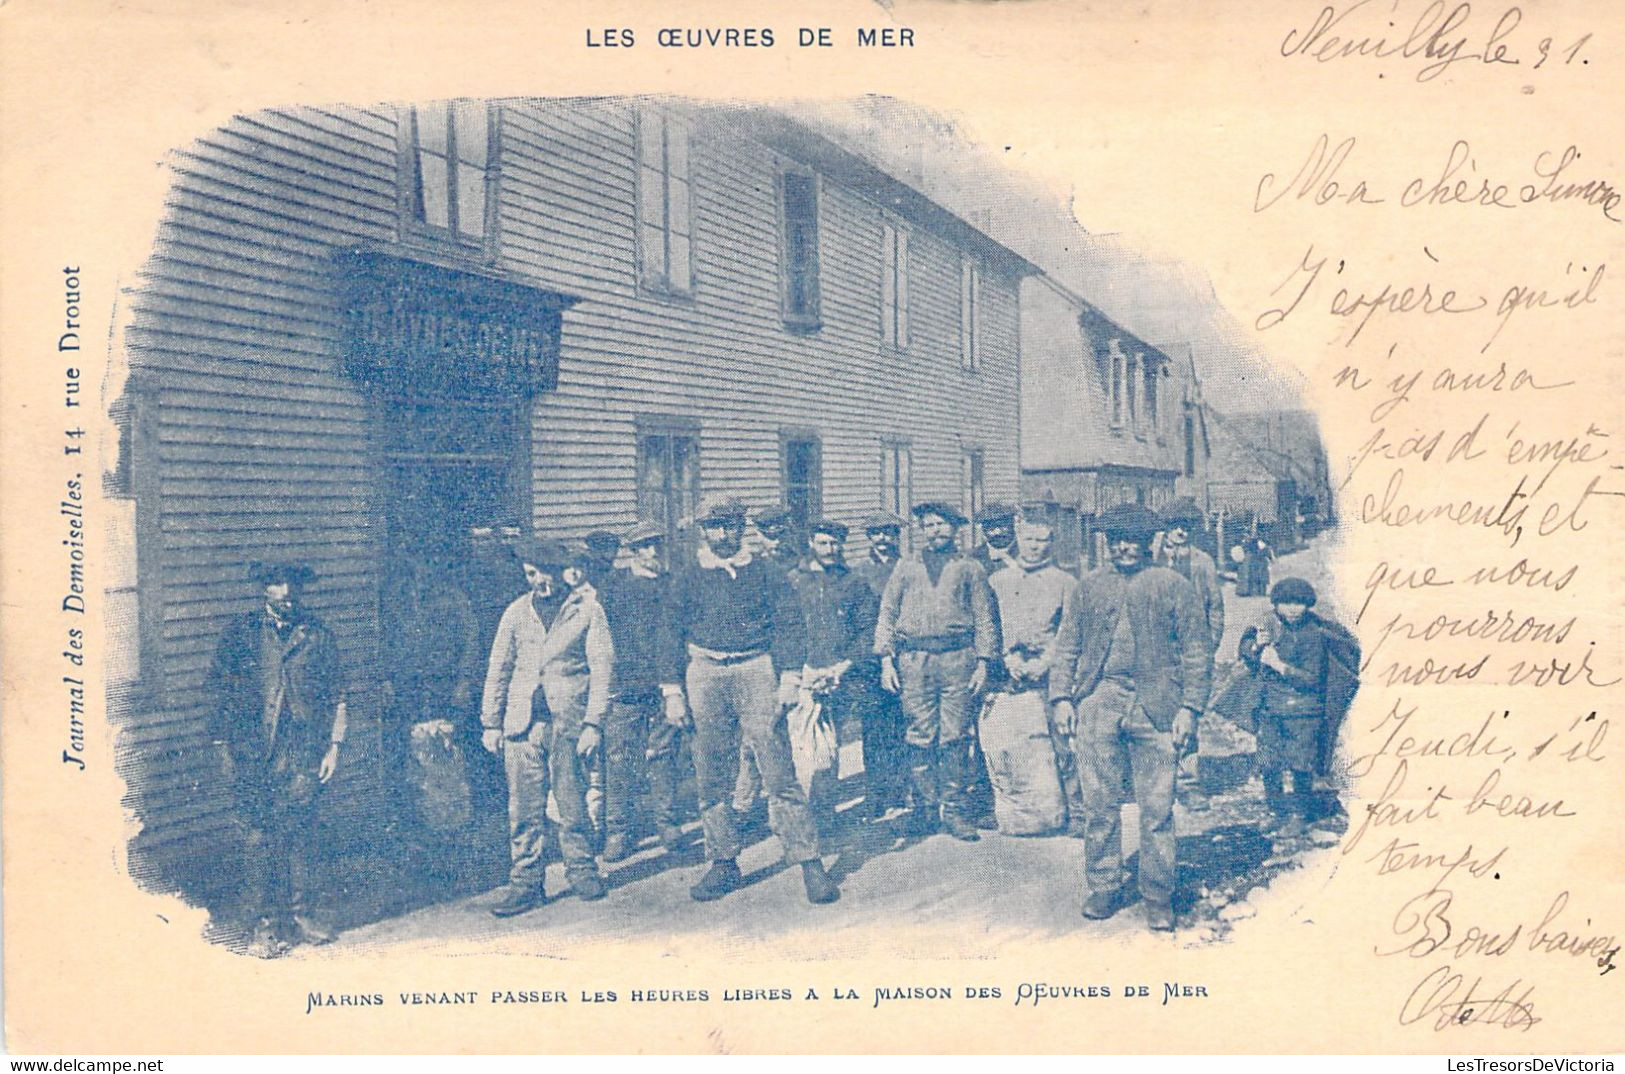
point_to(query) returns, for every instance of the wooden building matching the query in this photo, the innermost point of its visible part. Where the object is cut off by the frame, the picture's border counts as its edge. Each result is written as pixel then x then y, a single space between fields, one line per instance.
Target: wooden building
pixel 361 328
pixel 1107 418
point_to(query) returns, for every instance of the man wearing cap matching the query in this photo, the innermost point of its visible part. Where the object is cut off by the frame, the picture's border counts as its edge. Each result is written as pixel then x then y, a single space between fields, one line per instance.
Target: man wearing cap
pixel 599 559
pixel 838 611
pixel 776 537
pixel 637 737
pixel 885 770
pixel 997 547
pixel 936 635
pixel 1031 590
pixel 546 692
pixel 1131 675
pixel 737 624
pixel 1308 667
pixel 1181 520
pixel 279 721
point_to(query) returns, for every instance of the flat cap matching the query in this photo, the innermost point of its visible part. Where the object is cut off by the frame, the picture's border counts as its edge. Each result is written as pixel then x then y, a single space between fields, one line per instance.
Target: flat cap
pixel 776 515
pixel 721 510
pixel 1292 591
pixel 602 544
pixel 941 510
pixel 882 520
pixel 643 533
pixel 543 552
pixel 1129 521
pixel 837 530
pixel 279 571
pixel 995 511
pixel 1184 511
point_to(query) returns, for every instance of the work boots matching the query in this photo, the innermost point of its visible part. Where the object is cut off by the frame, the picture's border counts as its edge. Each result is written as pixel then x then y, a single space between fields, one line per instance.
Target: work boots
pixel 820 886
pixel 954 762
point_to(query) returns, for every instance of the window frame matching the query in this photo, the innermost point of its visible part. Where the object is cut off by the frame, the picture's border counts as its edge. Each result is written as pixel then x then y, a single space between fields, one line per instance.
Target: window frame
pixel 973 485
pixel 799 320
pixel 668 429
pixel 789 438
pixel 648 280
pixel 970 315
pixel 414 223
pixel 894 287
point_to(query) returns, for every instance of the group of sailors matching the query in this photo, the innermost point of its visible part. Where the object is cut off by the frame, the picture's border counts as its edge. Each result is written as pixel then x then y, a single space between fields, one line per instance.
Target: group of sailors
pixel 754 651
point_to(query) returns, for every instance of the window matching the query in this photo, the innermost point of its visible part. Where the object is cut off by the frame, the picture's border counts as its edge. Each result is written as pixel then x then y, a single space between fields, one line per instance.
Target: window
pixel 893 287
pixel 973 487
pixel 896 478
pixel 1190 446
pixel 801 470
pixel 1117 365
pixel 1152 373
pixel 447 158
pixel 665 212
pixel 970 318
pixel 1131 402
pixel 799 208
pixel 668 476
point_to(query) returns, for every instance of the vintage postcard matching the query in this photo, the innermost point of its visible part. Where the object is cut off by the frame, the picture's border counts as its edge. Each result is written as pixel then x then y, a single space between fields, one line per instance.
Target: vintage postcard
pixel 845 527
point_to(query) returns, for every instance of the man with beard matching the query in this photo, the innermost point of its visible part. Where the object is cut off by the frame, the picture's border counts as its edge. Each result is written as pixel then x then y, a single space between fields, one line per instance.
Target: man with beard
pixel 936 636
pixel 638 739
pixel 737 623
pixel 998 545
pixel 885 772
pixel 838 610
pixel 546 692
pixel 776 544
pixel 599 560
pixel 1182 519
pixel 1131 675
pixel 1308 667
pixel 1031 591
pixel 279 720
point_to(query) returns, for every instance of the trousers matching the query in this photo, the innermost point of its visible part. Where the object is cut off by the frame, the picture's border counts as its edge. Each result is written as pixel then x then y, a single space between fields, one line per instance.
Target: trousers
pixel 639 745
pixel 1115 735
pixel 936 698
pixel 542 758
pixel 733 701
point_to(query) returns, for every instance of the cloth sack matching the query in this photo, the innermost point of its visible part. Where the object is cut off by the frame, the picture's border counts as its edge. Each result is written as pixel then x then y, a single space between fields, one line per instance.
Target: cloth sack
pixel 439 777
pixel 813 745
pixel 1020 753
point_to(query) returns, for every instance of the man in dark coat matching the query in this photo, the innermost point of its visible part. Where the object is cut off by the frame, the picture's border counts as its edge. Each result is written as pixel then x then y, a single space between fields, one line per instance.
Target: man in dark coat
pixel 1132 670
pixel 937 636
pixel 737 646
pixel 997 547
pixel 279 719
pixel 638 740
pixel 1307 668
pixel 885 770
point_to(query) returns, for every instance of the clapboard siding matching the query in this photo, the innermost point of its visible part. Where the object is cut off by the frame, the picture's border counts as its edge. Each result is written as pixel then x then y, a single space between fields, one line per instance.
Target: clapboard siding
pixel 261 446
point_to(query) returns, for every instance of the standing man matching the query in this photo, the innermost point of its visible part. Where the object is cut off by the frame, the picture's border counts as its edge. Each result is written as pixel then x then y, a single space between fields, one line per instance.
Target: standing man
pixel 602 548
pixel 546 692
pixel 998 545
pixel 936 636
pixel 1182 519
pixel 1131 674
pixel 776 537
pixel 637 736
pixel 279 721
pixel 885 771
pixel 736 621
pixel 838 611
pixel 1031 591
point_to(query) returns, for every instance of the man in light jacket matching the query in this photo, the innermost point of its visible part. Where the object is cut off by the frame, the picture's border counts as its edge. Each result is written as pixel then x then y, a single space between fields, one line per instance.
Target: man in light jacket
pixel 546 692
pixel 1132 670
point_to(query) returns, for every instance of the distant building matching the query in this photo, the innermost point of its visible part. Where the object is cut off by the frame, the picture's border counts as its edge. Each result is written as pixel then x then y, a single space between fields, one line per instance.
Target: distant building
pixel 1270 471
pixel 1107 418
pixel 364 328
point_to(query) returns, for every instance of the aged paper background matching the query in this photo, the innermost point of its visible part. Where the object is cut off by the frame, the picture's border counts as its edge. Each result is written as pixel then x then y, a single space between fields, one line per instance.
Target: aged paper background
pixel 1163 120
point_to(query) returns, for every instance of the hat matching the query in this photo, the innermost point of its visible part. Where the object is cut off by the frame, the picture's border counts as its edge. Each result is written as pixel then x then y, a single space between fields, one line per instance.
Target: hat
pixel 275 572
pixel 602 544
pixel 1184 511
pixel 837 530
pixel 777 515
pixel 1129 521
pixel 543 552
pixel 643 533
pixel 721 511
pixel 1292 591
pixel 995 511
pixel 882 520
pixel 941 510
